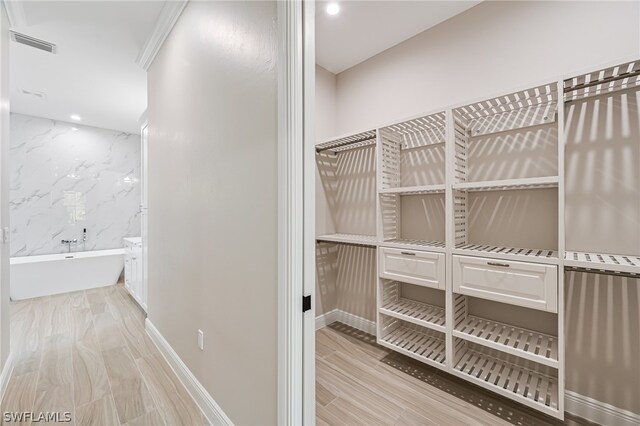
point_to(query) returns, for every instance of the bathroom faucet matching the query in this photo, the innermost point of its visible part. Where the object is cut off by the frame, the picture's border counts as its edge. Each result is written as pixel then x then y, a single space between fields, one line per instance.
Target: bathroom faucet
pixel 69 242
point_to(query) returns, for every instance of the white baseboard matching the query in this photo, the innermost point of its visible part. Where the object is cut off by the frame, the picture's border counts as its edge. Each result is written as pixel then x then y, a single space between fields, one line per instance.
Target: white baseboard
pixel 6 375
pixel 352 320
pixel 203 399
pixel 326 319
pixel 598 412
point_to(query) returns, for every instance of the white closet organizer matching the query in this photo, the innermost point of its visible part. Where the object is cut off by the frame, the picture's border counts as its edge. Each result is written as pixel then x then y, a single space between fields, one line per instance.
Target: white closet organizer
pixel 411 227
pixel 505 243
pixel 473 216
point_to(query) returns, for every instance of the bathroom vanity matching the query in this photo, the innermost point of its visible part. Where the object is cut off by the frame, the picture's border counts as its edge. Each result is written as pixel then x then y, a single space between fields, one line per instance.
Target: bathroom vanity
pixel 133 276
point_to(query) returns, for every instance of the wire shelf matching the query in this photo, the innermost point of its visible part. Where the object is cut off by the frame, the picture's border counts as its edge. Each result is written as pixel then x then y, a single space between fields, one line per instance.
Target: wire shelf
pixel 422 314
pixel 520 383
pixel 538 255
pixel 526 118
pixel 420 132
pixel 414 341
pixel 392 304
pixel 603 262
pixel 357 140
pixel 511 103
pixel 415 190
pixel 531 345
pixel 509 184
pixel 608 80
pixel 353 239
pixel 414 244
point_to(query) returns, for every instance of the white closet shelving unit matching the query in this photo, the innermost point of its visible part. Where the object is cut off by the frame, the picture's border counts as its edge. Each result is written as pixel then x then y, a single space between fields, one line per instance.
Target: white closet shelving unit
pixel 411 229
pixel 472 227
pixel 505 251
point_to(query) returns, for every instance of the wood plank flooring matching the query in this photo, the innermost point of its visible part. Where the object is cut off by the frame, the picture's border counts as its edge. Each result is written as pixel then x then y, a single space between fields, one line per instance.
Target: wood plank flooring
pixel 359 382
pixel 87 353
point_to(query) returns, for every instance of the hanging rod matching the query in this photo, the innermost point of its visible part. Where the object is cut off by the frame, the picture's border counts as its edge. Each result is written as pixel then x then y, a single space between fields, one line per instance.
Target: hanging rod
pixel 603 81
pixel 602 271
pixel 513 129
pixel 345 143
pixel 473 116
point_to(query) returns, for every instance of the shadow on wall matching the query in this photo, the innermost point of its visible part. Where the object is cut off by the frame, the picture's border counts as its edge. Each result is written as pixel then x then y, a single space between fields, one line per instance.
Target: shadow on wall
pixel 422 217
pixel 345 279
pixel 603 135
pixel 424 165
pixel 326 274
pixel 327 165
pixel 349 182
pixel 514 155
pixel 356 281
pixel 527 219
pixel 603 337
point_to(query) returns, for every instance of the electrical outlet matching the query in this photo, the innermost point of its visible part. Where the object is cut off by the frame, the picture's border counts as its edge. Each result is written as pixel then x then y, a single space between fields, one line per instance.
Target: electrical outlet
pixel 201 339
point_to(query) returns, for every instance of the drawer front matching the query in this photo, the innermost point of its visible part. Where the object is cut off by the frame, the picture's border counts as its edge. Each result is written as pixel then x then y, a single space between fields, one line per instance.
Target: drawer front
pixel 525 284
pixel 413 266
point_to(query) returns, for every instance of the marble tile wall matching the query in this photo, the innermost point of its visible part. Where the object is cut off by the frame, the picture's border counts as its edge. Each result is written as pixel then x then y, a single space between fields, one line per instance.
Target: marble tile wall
pixel 66 177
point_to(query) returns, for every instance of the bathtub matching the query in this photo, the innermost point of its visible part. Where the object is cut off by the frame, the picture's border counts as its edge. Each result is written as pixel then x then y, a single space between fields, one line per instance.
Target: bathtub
pixel 35 276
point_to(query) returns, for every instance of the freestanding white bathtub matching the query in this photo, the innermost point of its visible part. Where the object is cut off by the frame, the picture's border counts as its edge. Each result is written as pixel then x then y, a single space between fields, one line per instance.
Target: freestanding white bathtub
pixel 35 276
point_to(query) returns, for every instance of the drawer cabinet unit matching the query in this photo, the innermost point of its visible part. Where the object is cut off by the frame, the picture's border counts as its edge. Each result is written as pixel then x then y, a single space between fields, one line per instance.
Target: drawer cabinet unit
pixel 525 284
pixel 413 266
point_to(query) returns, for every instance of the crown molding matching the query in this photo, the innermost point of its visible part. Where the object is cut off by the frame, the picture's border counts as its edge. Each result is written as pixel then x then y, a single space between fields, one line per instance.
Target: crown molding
pixel 169 15
pixel 15 13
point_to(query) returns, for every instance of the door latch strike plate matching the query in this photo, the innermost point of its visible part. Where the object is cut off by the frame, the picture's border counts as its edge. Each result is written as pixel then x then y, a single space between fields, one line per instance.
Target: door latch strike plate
pixel 306 303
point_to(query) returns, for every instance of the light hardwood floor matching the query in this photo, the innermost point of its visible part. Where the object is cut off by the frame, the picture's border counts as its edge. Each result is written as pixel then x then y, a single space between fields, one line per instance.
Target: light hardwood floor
pixel 87 353
pixel 361 383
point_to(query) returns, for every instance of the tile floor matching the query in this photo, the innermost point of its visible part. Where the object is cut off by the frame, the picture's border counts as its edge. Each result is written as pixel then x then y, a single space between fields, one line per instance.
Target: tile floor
pixel 87 353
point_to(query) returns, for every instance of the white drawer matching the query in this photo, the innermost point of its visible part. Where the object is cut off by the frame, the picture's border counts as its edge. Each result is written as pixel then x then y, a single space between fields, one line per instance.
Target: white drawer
pixel 525 284
pixel 413 266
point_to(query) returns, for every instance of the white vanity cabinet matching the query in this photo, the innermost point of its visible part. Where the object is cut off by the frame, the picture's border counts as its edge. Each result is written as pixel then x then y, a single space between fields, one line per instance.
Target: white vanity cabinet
pixel 133 276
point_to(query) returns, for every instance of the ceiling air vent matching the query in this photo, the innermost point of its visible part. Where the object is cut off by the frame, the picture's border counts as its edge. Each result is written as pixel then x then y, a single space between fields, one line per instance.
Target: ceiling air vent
pixel 39 95
pixel 33 42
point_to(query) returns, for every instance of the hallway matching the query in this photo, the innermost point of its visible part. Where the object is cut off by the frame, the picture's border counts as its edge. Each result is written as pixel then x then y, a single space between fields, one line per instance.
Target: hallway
pixel 87 353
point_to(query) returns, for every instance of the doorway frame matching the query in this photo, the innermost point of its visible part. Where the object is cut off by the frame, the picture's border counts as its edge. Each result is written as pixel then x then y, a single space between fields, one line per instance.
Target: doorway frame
pixel 296 211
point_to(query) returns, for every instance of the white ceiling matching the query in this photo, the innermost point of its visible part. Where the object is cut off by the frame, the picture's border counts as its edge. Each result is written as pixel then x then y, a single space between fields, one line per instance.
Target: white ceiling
pixel 363 28
pixel 93 74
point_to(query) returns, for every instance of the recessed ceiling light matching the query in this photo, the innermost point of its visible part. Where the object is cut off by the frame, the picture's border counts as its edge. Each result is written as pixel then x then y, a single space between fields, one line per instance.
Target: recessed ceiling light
pixel 333 8
pixel 75 129
pixel 75 117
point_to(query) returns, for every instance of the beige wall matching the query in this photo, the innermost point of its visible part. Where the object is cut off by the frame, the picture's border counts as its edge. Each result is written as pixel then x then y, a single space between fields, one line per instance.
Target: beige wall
pixel 4 183
pixel 212 114
pixel 325 117
pixel 611 177
pixel 490 48
pixel 326 104
pixel 326 254
pixel 494 47
pixel 603 338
